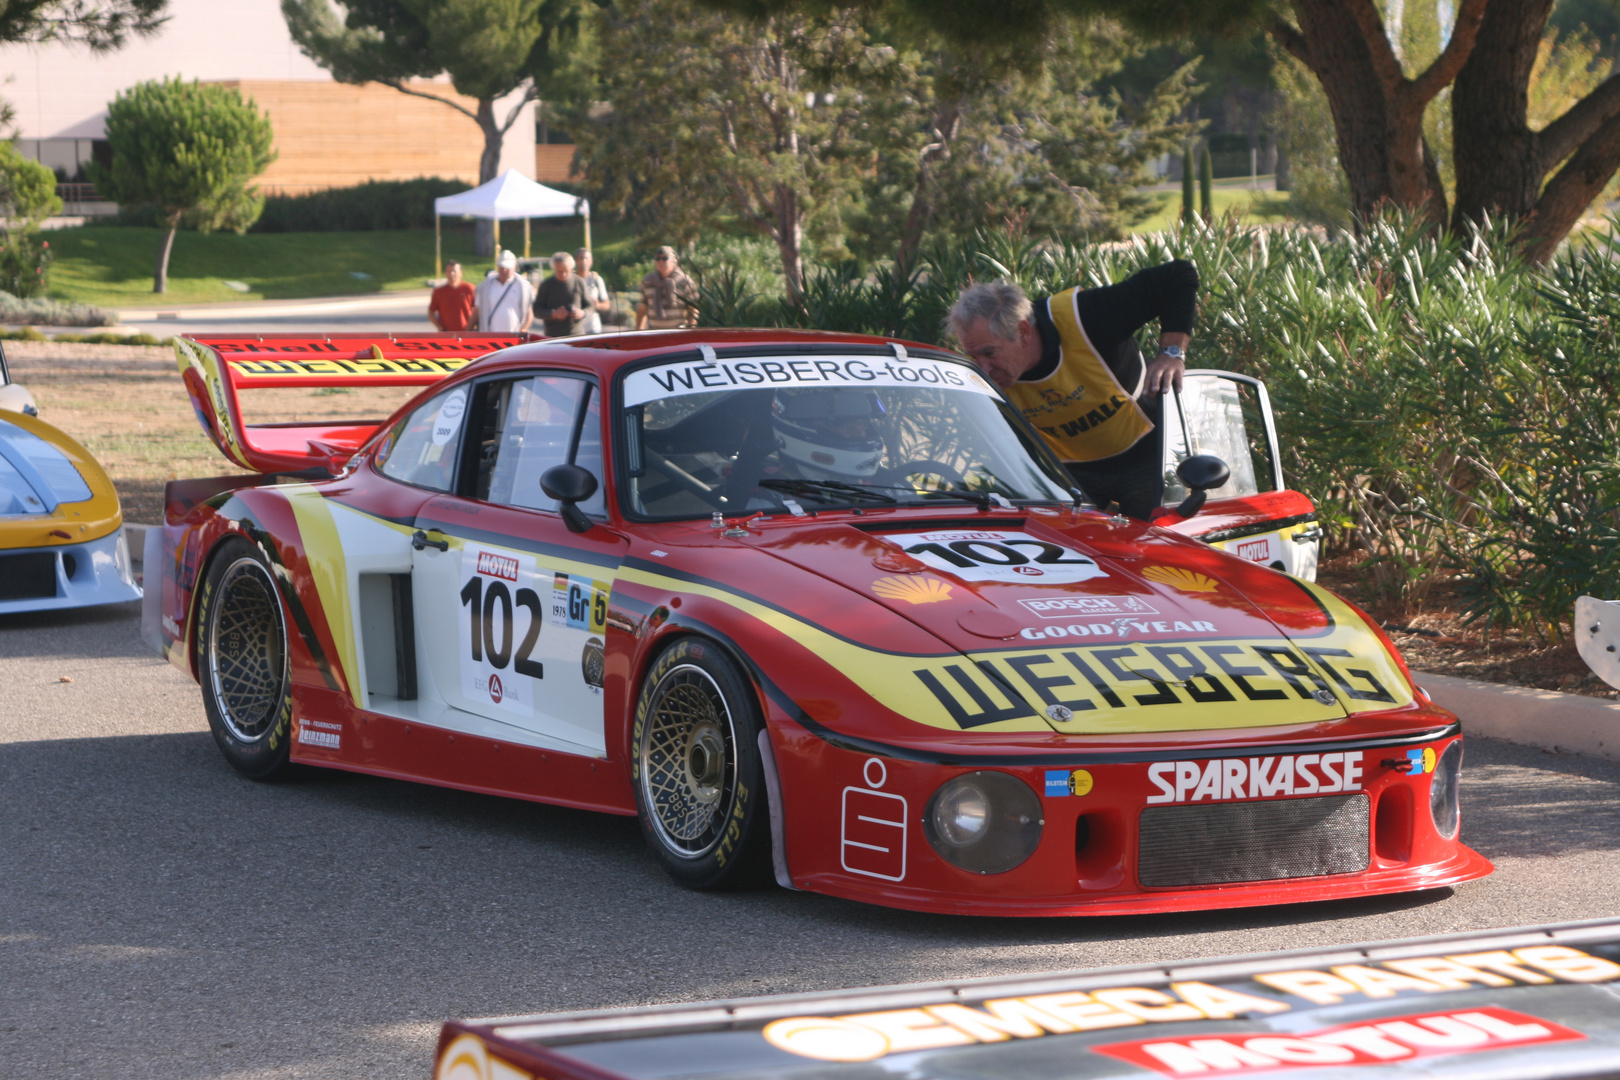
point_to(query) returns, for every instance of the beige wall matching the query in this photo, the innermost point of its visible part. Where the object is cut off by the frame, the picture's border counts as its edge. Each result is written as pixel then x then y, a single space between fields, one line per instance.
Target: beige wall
pixel 330 134
pixel 554 162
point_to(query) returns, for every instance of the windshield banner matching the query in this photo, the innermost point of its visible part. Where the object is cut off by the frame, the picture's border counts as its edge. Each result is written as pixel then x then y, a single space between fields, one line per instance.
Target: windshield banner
pixel 707 377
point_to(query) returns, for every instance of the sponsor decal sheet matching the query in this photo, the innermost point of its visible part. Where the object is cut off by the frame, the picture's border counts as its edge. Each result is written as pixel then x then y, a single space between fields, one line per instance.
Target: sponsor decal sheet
pixel 1506 1004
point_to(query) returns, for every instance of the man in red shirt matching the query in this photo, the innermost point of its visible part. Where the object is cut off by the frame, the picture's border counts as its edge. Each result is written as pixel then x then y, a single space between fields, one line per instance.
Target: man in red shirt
pixel 452 305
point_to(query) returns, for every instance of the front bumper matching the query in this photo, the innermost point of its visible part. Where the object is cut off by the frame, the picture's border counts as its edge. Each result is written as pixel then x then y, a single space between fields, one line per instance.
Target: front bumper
pixel 855 828
pixel 67 575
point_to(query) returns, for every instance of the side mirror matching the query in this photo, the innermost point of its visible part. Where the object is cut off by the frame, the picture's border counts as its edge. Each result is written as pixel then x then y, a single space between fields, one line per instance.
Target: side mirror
pixel 1200 473
pixel 570 484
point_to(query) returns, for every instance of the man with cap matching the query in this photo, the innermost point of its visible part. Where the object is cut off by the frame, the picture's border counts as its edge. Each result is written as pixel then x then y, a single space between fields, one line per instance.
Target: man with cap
pixel 505 299
pixel 667 295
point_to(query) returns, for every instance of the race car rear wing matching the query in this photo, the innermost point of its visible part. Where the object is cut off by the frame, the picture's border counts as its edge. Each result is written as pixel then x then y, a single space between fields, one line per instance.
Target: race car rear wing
pixel 217 369
pixel 1530 1003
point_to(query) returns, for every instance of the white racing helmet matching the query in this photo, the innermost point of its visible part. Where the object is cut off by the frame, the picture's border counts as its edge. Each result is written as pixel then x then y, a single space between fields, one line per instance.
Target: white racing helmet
pixel 829 434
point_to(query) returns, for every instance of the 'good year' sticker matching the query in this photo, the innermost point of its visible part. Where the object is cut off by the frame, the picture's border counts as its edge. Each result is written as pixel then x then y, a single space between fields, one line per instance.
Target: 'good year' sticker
pixel 999 555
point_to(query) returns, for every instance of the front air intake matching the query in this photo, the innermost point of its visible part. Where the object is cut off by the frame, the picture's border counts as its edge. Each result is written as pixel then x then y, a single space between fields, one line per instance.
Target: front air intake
pixel 29 576
pixel 1225 843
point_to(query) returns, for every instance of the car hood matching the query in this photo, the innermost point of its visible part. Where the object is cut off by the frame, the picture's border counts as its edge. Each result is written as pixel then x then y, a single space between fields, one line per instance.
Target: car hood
pixel 1098 626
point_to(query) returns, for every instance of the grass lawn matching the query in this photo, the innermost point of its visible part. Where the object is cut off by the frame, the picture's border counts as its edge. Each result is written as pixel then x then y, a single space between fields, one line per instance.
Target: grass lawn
pixel 112 265
pixel 1253 206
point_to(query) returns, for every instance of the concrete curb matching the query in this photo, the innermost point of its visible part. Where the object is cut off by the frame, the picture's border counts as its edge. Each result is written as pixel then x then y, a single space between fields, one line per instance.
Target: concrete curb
pixel 1566 723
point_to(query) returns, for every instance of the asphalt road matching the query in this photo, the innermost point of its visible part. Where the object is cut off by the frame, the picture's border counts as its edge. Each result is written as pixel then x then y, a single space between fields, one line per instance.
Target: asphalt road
pixel 161 917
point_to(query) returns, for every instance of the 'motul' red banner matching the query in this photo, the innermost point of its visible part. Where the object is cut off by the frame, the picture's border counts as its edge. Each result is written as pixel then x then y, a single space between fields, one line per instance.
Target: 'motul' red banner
pixel 1369 1043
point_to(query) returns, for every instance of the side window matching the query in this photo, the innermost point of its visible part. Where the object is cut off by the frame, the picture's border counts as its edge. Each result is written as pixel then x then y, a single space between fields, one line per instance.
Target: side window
pixel 527 425
pixel 422 449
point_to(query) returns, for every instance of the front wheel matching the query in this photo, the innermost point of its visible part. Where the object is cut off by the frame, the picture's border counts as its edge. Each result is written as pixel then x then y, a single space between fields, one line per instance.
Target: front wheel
pixel 700 787
pixel 242 662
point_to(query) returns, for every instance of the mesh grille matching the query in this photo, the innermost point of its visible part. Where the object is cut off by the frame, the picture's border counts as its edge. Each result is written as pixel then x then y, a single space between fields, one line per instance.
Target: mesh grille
pixel 28 577
pixel 1223 843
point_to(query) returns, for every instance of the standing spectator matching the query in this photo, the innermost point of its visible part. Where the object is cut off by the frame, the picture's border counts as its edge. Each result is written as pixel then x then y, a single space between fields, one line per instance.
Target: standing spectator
pixel 453 306
pixel 505 300
pixel 562 300
pixel 595 289
pixel 667 295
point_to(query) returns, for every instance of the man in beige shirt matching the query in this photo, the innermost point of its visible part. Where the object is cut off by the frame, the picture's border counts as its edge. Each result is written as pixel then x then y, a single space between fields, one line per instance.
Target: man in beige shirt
pixel 667 295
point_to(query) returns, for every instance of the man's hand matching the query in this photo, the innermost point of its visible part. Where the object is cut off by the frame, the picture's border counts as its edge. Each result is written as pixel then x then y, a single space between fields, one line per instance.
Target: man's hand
pixel 1163 373
pixel 560 313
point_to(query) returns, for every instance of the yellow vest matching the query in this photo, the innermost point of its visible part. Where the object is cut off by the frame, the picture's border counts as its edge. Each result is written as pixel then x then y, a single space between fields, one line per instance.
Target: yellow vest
pixel 1081 410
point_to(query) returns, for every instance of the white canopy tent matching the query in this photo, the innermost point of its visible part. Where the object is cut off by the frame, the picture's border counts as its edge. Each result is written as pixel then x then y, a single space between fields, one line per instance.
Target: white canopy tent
pixel 508 196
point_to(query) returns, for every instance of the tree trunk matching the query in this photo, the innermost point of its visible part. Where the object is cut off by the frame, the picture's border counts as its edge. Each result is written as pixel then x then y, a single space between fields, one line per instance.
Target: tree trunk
pixel 946 121
pixel 1502 165
pixel 1379 131
pixel 1377 110
pixel 1567 195
pixel 489 163
pixel 160 280
pixel 1497 156
pixel 790 242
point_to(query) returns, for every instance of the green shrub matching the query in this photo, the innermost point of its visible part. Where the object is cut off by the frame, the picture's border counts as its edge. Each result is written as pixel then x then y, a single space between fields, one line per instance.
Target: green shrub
pixel 25 264
pixel 369 207
pixel 41 311
pixel 1451 411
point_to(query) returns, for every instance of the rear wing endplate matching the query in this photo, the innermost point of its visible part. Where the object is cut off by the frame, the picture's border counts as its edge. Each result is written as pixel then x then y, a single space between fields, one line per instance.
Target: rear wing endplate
pixel 217 369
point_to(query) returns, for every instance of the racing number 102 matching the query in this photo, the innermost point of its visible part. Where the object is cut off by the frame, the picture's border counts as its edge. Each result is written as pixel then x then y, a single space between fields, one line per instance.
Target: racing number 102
pixel 483 601
pixel 968 553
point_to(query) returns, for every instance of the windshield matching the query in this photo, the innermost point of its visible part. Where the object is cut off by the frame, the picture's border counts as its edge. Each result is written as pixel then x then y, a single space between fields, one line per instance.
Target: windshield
pixel 799 434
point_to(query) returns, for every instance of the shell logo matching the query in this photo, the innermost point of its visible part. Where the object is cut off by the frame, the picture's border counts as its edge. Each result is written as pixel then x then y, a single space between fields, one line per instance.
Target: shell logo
pixel 1177 578
pixel 912 590
pixel 467 1058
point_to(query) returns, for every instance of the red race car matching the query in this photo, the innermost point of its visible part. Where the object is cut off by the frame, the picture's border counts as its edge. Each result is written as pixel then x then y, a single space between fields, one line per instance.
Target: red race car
pixel 815 604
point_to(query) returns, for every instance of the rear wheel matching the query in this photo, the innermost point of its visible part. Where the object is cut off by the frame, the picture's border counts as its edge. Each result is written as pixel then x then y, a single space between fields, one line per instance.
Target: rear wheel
pixel 700 787
pixel 242 662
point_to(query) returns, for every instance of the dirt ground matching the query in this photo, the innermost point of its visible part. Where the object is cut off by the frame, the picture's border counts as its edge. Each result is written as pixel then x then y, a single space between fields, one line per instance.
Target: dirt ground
pixel 1437 639
pixel 128 407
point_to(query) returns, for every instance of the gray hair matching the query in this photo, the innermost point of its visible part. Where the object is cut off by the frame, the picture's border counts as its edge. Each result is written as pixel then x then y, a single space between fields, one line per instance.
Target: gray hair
pixel 562 258
pixel 1001 304
pixel 582 252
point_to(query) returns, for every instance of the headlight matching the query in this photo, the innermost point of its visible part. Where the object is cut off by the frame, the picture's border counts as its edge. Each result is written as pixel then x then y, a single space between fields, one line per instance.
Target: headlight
pixel 1443 791
pixel 986 822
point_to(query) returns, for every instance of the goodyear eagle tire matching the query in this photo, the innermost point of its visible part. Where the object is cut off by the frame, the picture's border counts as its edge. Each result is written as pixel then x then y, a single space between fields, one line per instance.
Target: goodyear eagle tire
pixel 700 788
pixel 241 644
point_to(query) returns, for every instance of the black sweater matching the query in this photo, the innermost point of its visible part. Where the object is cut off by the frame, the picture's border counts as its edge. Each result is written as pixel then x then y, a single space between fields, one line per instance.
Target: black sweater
pixel 1112 315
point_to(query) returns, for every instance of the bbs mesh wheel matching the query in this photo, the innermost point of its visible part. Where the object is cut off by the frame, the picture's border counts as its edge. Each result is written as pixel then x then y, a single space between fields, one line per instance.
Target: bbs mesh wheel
pixel 242 662
pixel 700 789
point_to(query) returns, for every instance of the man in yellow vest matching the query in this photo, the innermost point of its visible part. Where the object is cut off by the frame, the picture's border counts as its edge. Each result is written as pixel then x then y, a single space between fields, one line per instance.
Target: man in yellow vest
pixel 1070 363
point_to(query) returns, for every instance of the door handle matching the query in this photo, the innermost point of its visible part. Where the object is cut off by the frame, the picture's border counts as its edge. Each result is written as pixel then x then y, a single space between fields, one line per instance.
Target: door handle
pixel 419 540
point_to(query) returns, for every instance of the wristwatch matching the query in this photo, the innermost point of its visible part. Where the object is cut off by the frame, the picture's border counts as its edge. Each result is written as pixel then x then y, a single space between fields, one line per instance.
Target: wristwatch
pixel 1174 352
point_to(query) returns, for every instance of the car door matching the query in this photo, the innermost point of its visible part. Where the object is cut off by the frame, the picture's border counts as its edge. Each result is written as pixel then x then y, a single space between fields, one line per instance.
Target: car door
pixel 1253 515
pixel 513 605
